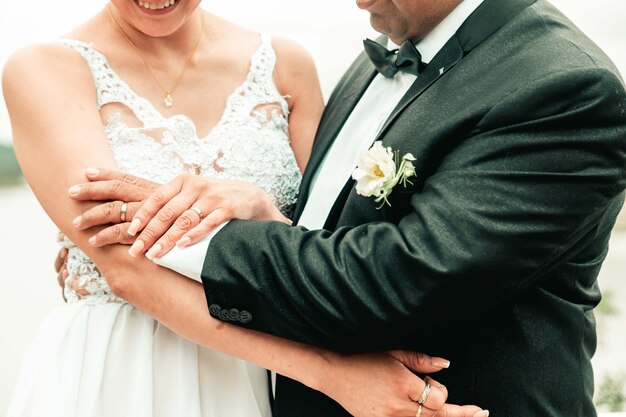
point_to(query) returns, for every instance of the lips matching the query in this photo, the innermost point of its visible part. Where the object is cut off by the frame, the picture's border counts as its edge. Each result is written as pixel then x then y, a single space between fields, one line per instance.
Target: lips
pixel 157 5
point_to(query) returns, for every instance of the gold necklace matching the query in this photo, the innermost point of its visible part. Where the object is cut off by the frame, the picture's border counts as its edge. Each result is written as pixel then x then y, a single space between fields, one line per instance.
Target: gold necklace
pixel 168 101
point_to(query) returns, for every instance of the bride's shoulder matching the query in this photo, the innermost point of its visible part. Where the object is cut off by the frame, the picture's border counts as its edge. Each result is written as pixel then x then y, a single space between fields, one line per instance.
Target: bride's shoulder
pixel 42 70
pixel 295 69
pixel 50 63
pixel 290 53
pixel 46 55
pixel 53 60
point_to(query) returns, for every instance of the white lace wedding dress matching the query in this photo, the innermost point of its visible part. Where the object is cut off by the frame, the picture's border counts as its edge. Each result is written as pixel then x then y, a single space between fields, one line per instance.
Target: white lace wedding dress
pixel 98 356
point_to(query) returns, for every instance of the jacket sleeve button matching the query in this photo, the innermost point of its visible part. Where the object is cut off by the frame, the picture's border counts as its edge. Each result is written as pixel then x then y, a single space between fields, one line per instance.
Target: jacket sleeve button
pixel 245 317
pixel 233 315
pixel 224 314
pixel 215 309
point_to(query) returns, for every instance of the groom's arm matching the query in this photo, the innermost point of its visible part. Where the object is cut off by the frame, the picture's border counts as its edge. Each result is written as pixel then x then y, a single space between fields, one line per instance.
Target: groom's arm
pixel 505 207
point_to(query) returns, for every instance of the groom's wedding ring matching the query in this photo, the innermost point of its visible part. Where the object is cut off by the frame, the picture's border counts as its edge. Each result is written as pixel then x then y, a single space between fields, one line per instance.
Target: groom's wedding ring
pixel 123 211
pixel 197 211
pixel 419 411
pixel 424 396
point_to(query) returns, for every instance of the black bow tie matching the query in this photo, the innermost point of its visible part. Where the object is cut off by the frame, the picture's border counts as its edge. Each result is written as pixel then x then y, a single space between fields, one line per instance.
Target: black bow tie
pixel 388 63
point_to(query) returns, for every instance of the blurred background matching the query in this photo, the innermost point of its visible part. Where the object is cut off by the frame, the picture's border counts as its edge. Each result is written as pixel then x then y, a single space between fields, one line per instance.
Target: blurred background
pixel 332 31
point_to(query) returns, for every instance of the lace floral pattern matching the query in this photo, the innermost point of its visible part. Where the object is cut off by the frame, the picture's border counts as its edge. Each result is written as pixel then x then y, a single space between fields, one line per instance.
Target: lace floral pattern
pixel 250 143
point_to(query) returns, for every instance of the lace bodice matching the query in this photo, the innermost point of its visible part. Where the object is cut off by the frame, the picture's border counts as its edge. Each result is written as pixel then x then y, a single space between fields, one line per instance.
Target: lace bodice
pixel 250 142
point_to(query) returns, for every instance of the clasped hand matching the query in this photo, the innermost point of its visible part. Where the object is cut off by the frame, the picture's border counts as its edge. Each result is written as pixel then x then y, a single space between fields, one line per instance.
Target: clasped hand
pixel 158 217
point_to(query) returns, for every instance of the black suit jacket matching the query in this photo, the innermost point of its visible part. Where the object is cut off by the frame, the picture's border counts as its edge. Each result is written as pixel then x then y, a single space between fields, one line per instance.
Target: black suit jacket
pixel 490 258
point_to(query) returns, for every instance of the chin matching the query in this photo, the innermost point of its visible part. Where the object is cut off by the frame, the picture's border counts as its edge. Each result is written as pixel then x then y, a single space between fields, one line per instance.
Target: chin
pixel 378 24
pixel 385 30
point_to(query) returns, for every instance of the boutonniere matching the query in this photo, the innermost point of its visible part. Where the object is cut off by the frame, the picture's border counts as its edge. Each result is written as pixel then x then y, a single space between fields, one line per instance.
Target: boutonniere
pixel 379 170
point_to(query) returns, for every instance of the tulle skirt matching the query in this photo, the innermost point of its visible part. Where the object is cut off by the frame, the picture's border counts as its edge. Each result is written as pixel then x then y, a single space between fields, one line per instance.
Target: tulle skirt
pixel 112 360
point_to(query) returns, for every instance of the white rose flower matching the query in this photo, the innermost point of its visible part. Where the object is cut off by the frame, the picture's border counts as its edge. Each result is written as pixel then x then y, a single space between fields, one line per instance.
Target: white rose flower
pixel 375 168
pixel 378 172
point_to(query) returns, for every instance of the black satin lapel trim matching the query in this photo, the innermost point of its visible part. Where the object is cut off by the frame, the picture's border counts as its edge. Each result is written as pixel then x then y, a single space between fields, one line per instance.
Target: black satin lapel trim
pixel 340 106
pixel 487 19
pixel 444 61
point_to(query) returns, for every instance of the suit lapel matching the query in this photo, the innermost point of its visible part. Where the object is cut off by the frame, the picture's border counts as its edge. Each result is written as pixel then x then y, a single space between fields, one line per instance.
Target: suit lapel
pixel 487 19
pixel 340 105
pixel 447 58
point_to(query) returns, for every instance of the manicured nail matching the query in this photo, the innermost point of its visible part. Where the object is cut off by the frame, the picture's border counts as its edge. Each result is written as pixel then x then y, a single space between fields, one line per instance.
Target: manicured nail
pixel 76 221
pixel 74 189
pixel 136 248
pixel 183 242
pixel 92 240
pixel 482 413
pixel 92 172
pixel 440 363
pixel 154 251
pixel 134 227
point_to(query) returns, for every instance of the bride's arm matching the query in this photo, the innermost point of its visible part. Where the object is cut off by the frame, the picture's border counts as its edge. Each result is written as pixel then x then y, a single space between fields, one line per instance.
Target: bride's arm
pixel 179 303
pixel 57 130
pixel 58 133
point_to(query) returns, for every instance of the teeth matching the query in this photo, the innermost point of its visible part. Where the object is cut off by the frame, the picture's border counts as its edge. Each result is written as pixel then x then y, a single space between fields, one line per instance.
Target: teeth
pixel 156 6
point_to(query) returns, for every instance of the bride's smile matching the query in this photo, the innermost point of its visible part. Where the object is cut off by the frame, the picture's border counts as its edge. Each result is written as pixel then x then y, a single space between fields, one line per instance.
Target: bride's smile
pixel 156 18
pixel 158 7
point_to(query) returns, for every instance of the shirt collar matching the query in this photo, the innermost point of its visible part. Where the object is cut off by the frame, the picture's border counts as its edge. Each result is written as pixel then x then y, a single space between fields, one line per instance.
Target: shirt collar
pixel 432 43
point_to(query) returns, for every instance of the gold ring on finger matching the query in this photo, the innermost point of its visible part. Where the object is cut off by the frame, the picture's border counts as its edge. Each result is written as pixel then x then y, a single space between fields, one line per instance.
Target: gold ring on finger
pixel 197 211
pixel 424 396
pixel 419 411
pixel 123 211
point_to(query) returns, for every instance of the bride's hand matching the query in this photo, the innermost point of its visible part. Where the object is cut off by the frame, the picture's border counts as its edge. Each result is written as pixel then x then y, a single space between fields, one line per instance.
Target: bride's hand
pixel 382 385
pixel 164 212
pixel 124 195
pixel 189 207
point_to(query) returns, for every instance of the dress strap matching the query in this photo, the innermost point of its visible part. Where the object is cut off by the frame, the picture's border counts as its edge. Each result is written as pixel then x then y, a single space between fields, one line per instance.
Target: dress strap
pixel 261 76
pixel 110 88
pixel 263 62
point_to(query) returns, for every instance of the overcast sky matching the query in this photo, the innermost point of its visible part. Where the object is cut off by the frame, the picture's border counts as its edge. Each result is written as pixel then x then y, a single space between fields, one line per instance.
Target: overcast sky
pixel 330 29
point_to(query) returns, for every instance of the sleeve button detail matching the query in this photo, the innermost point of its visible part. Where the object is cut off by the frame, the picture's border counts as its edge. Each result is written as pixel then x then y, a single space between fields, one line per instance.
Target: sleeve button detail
pixel 215 309
pixel 245 317
pixel 233 315
pixel 224 314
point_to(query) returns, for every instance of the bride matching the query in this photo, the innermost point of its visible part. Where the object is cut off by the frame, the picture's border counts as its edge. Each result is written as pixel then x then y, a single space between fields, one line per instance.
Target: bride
pixel 157 88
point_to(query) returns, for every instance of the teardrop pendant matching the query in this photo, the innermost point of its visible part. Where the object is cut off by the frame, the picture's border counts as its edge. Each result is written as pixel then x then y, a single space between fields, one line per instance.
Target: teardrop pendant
pixel 168 101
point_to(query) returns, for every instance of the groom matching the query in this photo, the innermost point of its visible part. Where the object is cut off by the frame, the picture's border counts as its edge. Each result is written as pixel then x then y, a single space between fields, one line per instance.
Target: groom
pixel 517 123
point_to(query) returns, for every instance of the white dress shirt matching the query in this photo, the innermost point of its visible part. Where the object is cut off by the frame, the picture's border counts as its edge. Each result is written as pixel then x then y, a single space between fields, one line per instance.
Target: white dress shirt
pixel 357 135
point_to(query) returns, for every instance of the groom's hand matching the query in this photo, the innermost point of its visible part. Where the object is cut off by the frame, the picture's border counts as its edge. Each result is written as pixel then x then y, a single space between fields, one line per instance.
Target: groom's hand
pixel 123 194
pixel 382 385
